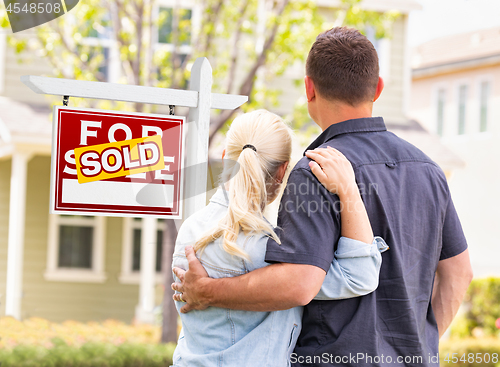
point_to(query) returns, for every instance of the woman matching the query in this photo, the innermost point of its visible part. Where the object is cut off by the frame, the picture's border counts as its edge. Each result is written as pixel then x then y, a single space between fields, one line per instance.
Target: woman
pixel 230 236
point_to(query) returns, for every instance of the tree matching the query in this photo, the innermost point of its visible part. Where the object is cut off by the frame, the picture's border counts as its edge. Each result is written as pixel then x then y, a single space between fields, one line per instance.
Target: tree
pixel 248 42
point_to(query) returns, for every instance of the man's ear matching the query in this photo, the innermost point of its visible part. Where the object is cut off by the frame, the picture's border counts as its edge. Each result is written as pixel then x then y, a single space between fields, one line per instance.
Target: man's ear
pixel 380 87
pixel 310 89
pixel 282 171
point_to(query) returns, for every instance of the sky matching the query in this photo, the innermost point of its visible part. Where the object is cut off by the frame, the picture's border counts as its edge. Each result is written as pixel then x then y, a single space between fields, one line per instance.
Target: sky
pixel 445 17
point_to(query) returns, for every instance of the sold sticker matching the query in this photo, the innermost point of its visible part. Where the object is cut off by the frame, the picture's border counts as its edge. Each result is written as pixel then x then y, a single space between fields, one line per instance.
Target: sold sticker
pixel 118 159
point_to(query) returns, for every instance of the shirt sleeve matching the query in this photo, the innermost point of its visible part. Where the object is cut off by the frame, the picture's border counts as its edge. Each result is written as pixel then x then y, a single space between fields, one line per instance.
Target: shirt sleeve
pixel 308 223
pixel 354 271
pixel 453 238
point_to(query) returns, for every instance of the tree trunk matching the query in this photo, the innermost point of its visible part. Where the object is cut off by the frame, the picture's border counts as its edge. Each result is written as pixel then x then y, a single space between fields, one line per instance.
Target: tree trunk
pixel 169 324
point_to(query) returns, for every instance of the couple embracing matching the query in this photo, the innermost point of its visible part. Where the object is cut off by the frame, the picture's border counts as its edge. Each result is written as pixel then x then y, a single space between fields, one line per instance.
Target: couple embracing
pixel 368 264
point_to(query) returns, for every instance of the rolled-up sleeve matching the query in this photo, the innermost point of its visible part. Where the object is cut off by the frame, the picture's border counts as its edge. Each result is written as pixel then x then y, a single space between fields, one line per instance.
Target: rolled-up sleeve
pixel 354 270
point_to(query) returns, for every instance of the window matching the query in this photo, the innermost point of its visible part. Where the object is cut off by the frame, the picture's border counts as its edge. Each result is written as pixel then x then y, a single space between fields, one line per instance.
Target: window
pixel 441 95
pixel 136 253
pixel 167 40
pixel 75 249
pixel 94 47
pixel 483 105
pixel 131 250
pixel 383 48
pixel 165 26
pixel 462 101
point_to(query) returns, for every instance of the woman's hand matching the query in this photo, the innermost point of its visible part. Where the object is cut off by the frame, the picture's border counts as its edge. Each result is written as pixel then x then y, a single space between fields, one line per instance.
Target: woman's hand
pixel 333 170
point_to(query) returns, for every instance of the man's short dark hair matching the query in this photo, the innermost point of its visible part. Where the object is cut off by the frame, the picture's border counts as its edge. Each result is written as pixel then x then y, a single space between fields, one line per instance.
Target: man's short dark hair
pixel 343 64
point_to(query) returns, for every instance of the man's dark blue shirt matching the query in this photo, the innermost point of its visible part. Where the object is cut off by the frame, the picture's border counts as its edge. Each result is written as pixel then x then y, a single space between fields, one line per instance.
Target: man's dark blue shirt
pixel 408 201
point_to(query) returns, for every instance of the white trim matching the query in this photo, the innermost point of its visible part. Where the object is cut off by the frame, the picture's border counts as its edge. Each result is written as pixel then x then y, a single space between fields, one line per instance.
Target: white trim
pixel 135 278
pixel 451 131
pixel 6 151
pixel 196 17
pixel 74 276
pixel 169 47
pixel 434 106
pixel 3 57
pixel 5 132
pixel 15 252
pixel 94 275
pixel 385 58
pixel 383 48
pixel 127 275
pixel 456 93
pixel 489 78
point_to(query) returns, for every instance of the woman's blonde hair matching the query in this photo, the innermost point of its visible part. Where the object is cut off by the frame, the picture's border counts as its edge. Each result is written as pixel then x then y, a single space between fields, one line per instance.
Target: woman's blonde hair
pixel 254 175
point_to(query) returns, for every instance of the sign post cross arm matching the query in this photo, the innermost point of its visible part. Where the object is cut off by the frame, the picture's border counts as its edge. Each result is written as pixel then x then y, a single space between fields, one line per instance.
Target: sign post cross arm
pixel 199 99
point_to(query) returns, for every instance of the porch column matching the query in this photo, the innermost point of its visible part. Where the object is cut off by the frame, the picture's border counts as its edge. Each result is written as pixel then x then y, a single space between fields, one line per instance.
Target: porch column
pixel 144 311
pixel 3 57
pixel 15 252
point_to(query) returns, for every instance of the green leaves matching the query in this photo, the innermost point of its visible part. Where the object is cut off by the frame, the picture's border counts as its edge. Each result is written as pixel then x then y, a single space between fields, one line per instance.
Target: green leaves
pixel 482 305
pixel 250 44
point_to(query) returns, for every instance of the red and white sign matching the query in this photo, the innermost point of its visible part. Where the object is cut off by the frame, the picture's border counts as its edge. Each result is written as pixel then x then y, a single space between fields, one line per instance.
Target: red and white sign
pixel 153 193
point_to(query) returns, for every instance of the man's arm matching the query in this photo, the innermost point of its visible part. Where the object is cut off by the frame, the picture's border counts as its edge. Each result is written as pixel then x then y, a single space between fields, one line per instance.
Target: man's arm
pixel 275 287
pixel 453 276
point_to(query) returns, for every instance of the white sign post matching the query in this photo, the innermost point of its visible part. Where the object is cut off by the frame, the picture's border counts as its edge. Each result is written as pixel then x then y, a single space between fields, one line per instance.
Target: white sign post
pixel 199 99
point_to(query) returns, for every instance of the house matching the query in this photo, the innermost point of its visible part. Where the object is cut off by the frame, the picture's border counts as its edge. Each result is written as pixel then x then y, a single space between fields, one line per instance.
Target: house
pixel 456 96
pixel 88 268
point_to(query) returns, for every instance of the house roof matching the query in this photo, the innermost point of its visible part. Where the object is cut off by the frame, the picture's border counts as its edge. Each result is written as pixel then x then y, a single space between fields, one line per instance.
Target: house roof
pixel 22 123
pixel 429 143
pixel 457 52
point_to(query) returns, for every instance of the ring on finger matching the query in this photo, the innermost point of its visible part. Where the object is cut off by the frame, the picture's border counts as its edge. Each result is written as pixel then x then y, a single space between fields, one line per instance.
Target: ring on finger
pixel 180 298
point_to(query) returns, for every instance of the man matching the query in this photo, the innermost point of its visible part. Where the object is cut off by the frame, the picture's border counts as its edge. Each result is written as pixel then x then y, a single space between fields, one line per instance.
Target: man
pixel 409 205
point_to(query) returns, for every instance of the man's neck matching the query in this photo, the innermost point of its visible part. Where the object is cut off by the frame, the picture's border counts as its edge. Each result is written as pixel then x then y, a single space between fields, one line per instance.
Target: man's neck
pixel 330 113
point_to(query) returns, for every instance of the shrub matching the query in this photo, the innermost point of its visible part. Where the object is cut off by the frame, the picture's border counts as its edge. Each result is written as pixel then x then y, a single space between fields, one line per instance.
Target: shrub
pixel 41 332
pixel 36 342
pixel 482 309
pixel 90 354
pixel 470 352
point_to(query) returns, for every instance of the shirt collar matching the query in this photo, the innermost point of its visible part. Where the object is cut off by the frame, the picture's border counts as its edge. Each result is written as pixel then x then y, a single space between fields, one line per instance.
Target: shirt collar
pixel 221 197
pixel 367 124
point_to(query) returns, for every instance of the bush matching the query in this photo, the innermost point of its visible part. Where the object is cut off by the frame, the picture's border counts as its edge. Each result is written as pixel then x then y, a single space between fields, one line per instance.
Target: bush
pixel 36 342
pixel 90 354
pixel 470 351
pixel 482 309
pixel 41 332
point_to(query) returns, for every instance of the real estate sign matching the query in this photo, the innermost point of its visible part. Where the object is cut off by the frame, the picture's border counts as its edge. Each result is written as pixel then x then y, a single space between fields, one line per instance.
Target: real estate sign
pixel 117 164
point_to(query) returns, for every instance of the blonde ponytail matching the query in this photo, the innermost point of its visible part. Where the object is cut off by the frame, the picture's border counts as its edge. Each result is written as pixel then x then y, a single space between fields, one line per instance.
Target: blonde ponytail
pixel 255 171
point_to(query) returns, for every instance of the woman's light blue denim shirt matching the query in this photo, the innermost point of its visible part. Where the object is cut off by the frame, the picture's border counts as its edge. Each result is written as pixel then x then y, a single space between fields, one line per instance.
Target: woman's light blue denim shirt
pixel 223 337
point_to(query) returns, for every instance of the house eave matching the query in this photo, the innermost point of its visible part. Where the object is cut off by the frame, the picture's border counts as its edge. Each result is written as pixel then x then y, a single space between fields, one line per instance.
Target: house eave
pixel 34 146
pixel 452 67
